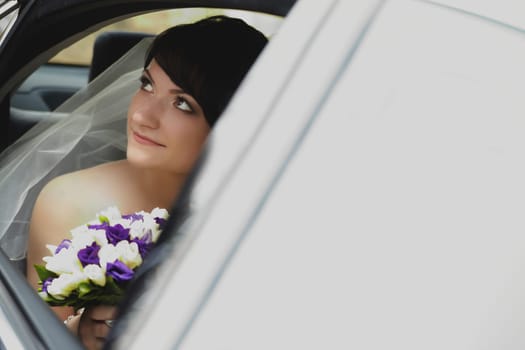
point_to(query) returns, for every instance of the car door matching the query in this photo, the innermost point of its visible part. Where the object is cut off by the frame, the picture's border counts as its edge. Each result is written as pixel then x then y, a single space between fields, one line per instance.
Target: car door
pixel 375 202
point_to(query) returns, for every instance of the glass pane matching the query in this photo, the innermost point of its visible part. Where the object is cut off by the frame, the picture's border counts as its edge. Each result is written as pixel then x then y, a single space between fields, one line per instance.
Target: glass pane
pixel 80 53
pixel 8 16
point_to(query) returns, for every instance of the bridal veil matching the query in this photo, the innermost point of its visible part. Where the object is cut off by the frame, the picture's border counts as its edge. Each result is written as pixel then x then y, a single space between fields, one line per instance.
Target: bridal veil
pixel 86 130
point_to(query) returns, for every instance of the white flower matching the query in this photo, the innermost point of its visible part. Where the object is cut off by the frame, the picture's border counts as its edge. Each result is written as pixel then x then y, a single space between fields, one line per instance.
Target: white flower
pixel 129 254
pixel 63 285
pixel 79 230
pixel 111 213
pixel 52 248
pixel 137 229
pixel 160 213
pixel 151 225
pixel 83 236
pixel 141 213
pixel 107 254
pixel 95 274
pixel 155 233
pixel 65 261
pixel 126 223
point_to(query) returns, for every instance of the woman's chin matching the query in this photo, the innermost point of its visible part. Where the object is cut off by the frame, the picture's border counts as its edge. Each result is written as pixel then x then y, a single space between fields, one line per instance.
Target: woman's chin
pixel 141 159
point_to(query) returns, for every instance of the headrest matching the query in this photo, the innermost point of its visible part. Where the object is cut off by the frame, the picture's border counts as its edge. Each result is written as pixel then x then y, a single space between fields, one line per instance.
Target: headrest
pixel 109 47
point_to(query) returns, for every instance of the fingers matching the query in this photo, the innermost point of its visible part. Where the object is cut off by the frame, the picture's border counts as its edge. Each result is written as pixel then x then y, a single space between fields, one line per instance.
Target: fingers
pixel 100 329
pixel 93 329
pixel 103 312
pixel 90 334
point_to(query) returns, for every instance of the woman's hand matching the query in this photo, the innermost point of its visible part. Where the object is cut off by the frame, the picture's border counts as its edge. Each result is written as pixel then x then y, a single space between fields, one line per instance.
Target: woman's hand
pixel 93 328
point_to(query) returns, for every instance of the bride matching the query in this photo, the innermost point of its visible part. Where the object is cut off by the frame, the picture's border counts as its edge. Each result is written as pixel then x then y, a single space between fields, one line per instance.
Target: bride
pixel 189 75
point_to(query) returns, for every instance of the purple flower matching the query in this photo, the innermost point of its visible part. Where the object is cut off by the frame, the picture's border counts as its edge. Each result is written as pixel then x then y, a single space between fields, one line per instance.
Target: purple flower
pixel 119 271
pixel 117 233
pixel 134 217
pixel 145 244
pixel 46 284
pixel 101 226
pixel 89 255
pixel 65 244
pixel 114 234
pixel 161 222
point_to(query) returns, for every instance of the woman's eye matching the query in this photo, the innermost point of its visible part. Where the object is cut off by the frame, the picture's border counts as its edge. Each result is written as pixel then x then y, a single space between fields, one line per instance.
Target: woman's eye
pixel 145 84
pixel 182 104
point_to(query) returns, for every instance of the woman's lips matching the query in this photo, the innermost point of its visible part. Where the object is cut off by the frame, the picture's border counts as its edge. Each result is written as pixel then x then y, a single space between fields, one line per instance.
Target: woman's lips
pixel 144 140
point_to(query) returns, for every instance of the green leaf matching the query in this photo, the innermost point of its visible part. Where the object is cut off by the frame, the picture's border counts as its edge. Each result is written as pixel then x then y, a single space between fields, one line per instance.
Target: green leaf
pixel 44 273
pixel 84 288
pixel 112 287
pixel 89 294
pixel 110 299
pixel 58 302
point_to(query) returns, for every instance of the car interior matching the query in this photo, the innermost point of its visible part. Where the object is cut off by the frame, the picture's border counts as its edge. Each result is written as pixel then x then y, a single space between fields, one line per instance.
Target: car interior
pixel 26 103
pixel 31 87
pixel 47 88
pixel 51 84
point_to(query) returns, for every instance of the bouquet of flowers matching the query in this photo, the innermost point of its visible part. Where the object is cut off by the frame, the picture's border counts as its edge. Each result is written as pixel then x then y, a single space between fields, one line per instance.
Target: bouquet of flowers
pixel 96 263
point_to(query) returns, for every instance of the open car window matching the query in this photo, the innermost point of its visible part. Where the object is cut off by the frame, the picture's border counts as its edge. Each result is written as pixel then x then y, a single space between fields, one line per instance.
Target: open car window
pixel 53 83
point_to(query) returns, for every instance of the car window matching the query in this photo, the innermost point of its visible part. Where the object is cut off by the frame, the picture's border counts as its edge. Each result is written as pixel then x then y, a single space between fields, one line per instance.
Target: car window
pixel 62 70
pixel 53 84
pixel 71 69
pixel 80 53
pixel 8 16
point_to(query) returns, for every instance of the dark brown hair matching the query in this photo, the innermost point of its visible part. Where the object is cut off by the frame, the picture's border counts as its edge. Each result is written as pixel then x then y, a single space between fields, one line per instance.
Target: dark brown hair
pixel 208 59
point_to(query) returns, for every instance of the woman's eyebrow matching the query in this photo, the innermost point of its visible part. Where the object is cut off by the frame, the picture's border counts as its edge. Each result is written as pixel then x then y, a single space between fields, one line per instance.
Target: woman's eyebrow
pixel 148 75
pixel 176 91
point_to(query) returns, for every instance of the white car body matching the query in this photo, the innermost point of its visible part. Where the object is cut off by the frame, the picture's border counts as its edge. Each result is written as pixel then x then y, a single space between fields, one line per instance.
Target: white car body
pixel 363 191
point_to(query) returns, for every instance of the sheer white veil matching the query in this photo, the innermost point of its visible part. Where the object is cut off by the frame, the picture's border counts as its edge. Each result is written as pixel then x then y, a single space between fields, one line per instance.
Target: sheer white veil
pixel 86 130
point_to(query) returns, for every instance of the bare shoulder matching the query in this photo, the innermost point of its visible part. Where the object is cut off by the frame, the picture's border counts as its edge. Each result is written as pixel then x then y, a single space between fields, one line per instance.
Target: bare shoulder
pixel 81 190
pixel 66 202
pixel 72 199
pixel 89 175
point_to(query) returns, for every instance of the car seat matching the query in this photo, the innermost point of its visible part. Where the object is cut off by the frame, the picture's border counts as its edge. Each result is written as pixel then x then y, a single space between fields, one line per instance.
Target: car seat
pixel 109 47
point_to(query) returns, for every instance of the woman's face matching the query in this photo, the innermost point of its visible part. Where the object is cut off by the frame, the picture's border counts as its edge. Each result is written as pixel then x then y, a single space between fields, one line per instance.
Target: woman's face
pixel 166 126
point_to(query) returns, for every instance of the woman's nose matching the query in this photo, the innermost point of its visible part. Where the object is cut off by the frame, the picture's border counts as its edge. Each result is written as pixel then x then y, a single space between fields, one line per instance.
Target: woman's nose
pixel 147 114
